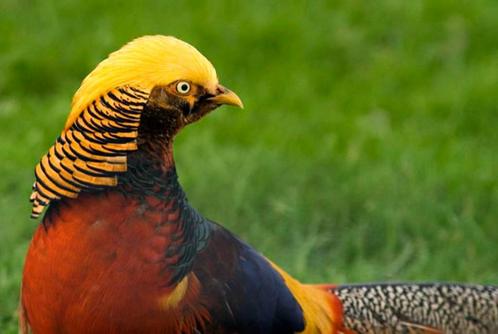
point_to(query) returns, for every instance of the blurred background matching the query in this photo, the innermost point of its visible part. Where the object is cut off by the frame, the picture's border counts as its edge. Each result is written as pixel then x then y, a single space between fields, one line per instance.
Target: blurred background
pixel 367 151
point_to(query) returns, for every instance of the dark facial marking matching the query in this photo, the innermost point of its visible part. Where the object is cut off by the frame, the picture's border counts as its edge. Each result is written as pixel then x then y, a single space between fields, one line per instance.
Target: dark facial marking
pixel 166 111
pixel 160 120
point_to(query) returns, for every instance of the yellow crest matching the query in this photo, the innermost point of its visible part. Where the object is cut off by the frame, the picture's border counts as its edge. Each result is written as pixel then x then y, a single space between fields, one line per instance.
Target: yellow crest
pixel 144 63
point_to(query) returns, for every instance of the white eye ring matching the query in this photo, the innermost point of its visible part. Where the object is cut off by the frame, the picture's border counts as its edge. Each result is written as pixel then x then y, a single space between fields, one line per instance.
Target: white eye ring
pixel 183 87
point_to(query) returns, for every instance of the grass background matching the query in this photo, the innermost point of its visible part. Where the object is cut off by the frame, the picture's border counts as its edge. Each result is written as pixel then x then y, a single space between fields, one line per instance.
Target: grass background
pixel 368 149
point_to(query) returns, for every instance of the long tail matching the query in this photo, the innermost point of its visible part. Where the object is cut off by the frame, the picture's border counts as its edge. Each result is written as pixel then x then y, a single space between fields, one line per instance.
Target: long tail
pixel 419 308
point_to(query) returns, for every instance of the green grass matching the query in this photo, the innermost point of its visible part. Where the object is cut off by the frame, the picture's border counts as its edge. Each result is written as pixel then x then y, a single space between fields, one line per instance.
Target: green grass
pixel 367 150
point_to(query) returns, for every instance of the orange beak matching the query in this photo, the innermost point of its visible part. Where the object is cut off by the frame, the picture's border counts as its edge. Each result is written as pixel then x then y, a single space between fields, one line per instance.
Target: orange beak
pixel 226 96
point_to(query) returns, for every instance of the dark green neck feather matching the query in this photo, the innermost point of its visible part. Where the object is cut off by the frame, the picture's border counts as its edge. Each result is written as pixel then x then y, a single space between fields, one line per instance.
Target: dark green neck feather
pixel 151 177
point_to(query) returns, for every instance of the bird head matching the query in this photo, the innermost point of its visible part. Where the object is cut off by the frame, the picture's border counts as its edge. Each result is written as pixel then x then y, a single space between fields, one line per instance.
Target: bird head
pixel 177 78
pixel 139 97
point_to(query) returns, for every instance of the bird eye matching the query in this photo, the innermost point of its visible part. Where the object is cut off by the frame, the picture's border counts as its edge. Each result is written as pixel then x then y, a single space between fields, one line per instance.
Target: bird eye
pixel 183 87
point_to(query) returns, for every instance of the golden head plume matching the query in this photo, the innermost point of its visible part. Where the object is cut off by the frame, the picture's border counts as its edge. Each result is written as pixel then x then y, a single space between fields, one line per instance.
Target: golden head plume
pixel 144 63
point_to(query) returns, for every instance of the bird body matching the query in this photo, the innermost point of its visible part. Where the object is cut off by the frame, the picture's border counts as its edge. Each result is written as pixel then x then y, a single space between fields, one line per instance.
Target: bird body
pixel 121 250
pixel 158 259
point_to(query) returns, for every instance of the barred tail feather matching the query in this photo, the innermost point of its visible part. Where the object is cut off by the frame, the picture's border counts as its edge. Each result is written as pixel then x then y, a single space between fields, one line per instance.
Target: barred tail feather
pixel 419 308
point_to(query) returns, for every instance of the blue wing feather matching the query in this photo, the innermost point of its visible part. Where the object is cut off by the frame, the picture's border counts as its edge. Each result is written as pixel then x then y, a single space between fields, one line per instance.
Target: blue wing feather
pixel 242 290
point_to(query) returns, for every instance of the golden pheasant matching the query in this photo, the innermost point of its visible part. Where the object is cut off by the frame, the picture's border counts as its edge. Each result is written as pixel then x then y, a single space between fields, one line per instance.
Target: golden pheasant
pixel 121 250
